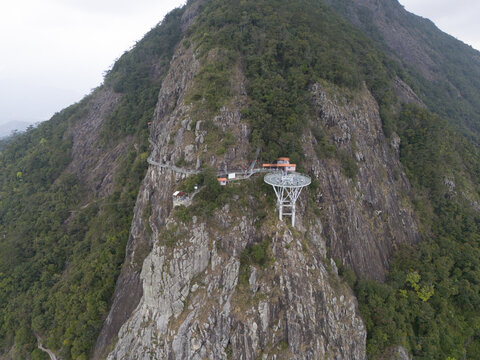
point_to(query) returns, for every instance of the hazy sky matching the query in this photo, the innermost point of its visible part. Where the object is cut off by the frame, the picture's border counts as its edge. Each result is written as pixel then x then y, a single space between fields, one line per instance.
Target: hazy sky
pixel 459 18
pixel 53 52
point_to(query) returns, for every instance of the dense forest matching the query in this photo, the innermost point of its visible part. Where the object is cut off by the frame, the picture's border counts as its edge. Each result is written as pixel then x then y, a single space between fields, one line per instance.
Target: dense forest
pixel 61 248
pixel 429 302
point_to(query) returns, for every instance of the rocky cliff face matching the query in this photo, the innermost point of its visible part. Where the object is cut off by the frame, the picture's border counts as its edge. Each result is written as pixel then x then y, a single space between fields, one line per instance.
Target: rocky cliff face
pixel 95 166
pixel 186 291
pixel 193 306
pixel 366 216
pixel 189 297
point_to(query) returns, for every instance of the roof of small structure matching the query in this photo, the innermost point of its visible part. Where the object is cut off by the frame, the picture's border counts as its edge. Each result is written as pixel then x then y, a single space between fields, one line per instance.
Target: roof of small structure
pixel 278 165
pixel 222 179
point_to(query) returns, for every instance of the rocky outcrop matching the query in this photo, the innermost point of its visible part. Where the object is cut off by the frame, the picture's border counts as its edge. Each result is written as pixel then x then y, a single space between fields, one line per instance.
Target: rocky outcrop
pixel 405 93
pixel 193 306
pixel 366 216
pixel 91 162
pixel 194 303
pixel 190 299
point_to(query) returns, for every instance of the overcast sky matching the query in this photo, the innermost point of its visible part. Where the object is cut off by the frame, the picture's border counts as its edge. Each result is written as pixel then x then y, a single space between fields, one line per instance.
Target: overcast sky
pixel 459 18
pixel 53 52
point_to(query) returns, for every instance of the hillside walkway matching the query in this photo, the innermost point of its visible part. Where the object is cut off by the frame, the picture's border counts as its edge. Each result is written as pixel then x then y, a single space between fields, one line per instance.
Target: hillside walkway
pixel 239 174
pixel 244 174
pixel 49 352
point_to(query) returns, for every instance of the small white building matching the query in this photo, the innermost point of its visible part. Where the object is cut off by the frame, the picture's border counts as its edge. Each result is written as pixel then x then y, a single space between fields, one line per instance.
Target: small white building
pixel 179 194
pixel 180 198
pixel 222 181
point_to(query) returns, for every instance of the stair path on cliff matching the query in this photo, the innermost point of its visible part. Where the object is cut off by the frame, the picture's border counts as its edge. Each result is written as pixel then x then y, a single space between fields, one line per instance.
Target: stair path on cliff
pixel 244 174
pixel 173 167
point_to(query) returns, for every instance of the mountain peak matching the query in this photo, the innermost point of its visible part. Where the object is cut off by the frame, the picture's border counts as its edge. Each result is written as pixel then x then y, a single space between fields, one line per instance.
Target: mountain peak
pixel 118 241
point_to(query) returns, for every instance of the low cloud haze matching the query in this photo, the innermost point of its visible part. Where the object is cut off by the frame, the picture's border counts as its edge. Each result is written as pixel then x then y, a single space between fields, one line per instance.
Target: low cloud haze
pixel 54 52
pixel 22 99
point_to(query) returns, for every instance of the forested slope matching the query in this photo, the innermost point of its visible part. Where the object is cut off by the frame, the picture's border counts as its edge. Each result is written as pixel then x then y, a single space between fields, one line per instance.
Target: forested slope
pixel 67 191
pixel 443 71
pixel 299 80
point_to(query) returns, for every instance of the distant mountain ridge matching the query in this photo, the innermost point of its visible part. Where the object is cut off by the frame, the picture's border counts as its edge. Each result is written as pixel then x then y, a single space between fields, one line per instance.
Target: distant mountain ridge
pixel 7 128
pixel 442 70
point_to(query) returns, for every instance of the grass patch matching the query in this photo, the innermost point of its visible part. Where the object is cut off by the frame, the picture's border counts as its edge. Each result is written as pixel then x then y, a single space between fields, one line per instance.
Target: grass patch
pixel 169 236
pixel 182 214
pixel 253 254
pixel 349 165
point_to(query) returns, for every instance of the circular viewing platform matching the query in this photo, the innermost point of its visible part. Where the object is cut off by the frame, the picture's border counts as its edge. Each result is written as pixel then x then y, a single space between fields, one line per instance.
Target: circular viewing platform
pixel 291 180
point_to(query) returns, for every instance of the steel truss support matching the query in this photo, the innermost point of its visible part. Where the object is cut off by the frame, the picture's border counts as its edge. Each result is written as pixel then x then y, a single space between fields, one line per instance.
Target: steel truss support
pixel 286 199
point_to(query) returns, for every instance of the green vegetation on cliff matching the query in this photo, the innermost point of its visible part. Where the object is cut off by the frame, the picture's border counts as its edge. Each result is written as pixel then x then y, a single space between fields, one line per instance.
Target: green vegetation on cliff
pixel 430 300
pixel 283 48
pixel 137 75
pixel 58 260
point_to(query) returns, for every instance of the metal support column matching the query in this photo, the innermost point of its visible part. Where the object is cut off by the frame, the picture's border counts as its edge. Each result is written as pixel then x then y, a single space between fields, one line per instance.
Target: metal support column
pixel 287 188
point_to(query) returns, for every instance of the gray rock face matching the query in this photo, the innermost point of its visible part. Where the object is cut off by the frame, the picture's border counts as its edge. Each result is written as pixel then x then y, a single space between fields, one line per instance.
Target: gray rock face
pixel 405 93
pixel 193 307
pixel 95 166
pixel 364 217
